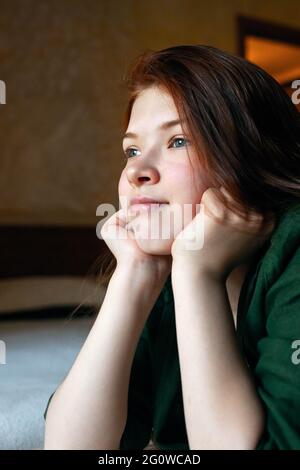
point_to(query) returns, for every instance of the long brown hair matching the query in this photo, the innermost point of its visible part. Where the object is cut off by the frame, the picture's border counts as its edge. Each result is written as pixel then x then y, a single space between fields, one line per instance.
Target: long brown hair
pixel 244 126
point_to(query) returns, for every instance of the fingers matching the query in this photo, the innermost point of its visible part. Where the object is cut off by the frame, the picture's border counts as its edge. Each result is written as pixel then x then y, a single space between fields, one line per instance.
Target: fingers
pixel 113 223
pixel 118 226
pixel 249 221
pixel 211 203
pixel 120 218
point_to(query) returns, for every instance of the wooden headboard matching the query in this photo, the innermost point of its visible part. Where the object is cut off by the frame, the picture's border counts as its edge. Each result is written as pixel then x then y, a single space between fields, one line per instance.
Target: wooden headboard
pixel 48 250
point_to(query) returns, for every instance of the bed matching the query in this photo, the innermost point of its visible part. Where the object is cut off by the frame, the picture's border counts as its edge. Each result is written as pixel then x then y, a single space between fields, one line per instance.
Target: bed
pixel 45 273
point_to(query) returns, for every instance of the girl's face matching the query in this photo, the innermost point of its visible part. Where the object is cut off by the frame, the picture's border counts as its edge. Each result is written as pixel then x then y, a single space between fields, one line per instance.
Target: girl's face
pixel 158 167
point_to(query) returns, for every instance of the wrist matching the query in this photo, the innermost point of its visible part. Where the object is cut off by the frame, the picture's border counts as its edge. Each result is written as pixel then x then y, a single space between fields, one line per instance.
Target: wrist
pixel 142 275
pixel 148 268
pixel 183 268
pixel 134 291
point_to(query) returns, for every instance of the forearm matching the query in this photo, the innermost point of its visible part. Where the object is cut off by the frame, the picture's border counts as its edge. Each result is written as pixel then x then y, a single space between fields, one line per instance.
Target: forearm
pixel 89 409
pixel 222 408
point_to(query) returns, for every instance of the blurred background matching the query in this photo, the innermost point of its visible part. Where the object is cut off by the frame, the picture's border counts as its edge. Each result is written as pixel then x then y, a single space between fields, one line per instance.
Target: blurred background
pixel 63 64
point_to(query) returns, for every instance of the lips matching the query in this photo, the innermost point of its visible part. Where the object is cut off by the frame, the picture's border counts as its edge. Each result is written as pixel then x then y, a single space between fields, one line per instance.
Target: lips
pixel 140 203
pixel 150 206
pixel 145 200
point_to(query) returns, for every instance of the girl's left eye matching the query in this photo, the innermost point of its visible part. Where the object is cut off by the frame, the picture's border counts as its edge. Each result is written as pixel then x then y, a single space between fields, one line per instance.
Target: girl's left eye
pixel 179 139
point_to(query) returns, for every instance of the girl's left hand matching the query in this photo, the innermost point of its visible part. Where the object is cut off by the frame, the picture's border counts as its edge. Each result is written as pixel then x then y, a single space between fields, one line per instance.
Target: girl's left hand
pixel 222 239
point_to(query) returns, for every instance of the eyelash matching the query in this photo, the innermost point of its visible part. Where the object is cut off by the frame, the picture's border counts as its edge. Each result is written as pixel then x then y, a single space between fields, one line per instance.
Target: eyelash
pixel 172 140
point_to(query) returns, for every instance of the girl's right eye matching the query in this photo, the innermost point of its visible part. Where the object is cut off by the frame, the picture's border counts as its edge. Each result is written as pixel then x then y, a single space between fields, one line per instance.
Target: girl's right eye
pixel 128 150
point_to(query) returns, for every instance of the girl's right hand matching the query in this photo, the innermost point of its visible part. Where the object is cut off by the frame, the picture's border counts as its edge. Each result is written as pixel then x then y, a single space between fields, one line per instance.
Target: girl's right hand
pixel 122 243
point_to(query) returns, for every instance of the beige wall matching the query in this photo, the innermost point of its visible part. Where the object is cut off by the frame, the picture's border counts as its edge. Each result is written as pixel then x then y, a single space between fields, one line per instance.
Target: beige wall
pixel 63 63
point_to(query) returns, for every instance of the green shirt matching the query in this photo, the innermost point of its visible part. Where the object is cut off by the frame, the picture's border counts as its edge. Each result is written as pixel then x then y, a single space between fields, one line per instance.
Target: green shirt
pixel 268 323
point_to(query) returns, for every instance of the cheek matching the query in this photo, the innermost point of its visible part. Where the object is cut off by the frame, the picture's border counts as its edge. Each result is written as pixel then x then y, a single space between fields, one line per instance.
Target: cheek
pixel 187 190
pixel 180 174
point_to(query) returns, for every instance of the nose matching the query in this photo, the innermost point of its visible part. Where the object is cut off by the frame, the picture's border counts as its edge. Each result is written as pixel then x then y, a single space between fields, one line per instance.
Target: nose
pixel 142 174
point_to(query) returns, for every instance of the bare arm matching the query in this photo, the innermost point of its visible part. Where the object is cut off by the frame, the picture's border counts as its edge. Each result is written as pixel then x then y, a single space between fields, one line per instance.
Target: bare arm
pixel 221 406
pixel 89 409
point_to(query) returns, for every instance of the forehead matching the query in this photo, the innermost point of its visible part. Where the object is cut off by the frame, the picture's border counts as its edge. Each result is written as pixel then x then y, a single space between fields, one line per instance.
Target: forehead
pixel 154 103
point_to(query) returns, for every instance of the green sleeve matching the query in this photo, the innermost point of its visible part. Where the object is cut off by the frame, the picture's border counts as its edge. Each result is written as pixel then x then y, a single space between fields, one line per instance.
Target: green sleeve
pixel 277 372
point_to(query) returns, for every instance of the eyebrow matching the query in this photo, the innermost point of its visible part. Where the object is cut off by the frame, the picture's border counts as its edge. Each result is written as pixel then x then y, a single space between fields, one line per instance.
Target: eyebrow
pixel 164 126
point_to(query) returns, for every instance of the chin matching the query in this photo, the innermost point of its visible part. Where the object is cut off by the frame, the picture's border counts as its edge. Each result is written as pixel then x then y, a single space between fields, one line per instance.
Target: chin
pixel 162 244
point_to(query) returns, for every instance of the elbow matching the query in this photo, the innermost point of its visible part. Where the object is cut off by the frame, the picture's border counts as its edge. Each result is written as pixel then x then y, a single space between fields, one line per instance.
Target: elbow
pixel 58 436
pixel 236 435
pixel 250 432
pixel 53 439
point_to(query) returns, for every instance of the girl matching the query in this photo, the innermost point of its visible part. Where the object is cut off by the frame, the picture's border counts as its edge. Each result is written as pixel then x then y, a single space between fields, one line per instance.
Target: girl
pixel 195 344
